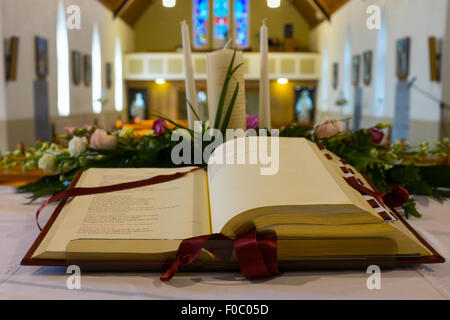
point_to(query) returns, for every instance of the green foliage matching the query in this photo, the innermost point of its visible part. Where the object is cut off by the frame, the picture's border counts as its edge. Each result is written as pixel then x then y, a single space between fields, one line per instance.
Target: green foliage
pixel 411 178
pixel 227 118
pixel 436 175
pixel 296 131
pixel 409 209
pixel 46 186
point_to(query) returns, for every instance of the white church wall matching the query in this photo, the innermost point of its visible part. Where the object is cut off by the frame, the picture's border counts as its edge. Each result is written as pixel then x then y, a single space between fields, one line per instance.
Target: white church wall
pixel 416 19
pixel 29 18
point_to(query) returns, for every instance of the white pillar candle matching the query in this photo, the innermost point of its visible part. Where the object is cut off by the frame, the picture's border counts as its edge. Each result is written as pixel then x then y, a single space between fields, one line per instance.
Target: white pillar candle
pixel 217 64
pixel 264 82
pixel 191 92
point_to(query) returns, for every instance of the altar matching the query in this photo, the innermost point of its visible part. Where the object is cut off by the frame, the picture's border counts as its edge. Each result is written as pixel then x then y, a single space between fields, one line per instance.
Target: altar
pixel 168 142
pixel 18 231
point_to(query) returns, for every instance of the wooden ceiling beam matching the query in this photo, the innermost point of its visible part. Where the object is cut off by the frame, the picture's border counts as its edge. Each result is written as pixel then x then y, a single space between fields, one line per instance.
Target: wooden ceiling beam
pixel 127 10
pixel 113 5
pixel 133 9
pixel 307 11
pixel 315 11
pixel 330 6
pixel 124 4
pixel 322 9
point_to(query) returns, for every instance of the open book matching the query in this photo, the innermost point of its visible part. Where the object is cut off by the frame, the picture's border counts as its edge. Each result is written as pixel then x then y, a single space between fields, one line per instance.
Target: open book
pixel 316 214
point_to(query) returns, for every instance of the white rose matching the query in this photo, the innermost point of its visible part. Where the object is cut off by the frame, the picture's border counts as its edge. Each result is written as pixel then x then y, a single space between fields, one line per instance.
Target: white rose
pixel 47 162
pixel 77 146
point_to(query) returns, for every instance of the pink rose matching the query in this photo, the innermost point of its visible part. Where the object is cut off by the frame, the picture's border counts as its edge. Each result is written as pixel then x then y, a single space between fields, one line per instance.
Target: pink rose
pixel 102 141
pixel 329 128
pixel 377 136
pixel 252 122
pixel 159 126
pixel 339 126
pixel 326 130
pixel 69 130
pixel 88 127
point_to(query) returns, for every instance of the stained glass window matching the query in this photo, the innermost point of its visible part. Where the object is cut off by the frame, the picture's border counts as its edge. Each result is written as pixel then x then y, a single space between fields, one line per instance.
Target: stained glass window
pixel 221 25
pixel 241 23
pixel 200 21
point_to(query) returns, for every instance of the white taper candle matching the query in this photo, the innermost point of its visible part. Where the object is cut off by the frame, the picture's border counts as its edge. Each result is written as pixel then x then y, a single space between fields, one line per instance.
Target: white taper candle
pixel 264 82
pixel 191 92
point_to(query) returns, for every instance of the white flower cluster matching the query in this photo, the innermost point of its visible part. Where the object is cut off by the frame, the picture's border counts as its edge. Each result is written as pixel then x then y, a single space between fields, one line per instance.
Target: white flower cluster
pixel 77 146
pixel 48 159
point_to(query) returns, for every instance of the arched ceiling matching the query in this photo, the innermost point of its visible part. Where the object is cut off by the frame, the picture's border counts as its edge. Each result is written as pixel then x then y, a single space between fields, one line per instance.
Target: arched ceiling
pixel 314 11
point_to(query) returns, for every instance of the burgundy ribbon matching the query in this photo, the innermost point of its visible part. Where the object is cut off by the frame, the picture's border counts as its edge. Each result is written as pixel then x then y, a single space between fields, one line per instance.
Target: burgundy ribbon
pixel 257 257
pixel 188 250
pixel 105 189
pixel 396 196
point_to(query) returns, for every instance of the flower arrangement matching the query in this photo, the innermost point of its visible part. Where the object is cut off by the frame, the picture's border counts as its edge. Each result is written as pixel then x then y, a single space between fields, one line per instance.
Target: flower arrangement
pixel 90 147
pixel 384 165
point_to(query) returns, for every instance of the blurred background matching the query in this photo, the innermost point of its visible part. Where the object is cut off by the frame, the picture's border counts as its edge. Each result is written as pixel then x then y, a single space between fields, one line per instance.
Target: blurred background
pixel 67 63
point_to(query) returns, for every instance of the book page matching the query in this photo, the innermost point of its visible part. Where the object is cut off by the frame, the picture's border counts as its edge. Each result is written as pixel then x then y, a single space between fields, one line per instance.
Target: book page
pixel 177 209
pixel 300 179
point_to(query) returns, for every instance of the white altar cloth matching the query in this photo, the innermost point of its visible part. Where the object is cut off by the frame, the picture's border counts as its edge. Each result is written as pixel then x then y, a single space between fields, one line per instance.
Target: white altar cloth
pixel 18 230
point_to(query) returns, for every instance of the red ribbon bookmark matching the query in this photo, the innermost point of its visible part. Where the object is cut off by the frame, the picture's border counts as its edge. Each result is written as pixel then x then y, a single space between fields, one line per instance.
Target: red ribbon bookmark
pixel 257 257
pixel 74 192
pixel 396 196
